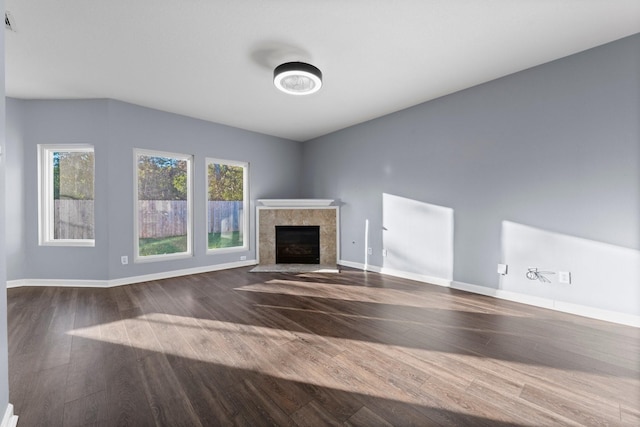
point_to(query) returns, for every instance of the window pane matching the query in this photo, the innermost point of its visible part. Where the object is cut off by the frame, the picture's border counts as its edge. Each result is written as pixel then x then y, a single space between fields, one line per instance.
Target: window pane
pixel 67 204
pixel 163 205
pixel 73 195
pixel 225 205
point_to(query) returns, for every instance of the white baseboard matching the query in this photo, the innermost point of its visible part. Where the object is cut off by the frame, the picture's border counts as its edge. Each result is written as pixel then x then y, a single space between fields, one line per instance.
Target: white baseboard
pixel 355 265
pixel 9 419
pixel 579 310
pixel 127 280
pixel 58 283
pixel 397 273
pixel 502 294
pixel 15 283
pixel 178 273
pixel 565 307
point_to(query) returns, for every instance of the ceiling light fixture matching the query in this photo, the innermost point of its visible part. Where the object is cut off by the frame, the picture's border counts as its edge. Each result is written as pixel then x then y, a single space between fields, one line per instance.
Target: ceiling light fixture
pixel 297 78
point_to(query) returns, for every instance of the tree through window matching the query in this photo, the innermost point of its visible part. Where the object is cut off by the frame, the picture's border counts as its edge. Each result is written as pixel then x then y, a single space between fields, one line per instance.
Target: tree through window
pixel 163 204
pixel 67 195
pixel 227 212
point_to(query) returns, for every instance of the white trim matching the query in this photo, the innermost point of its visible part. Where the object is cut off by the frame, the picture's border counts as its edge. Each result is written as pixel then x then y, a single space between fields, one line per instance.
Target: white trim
pixel 16 283
pixel 295 203
pixel 397 273
pixel 296 207
pixel 127 280
pixel 189 159
pixel 505 295
pixel 565 307
pixel 69 242
pixel 9 419
pixel 230 249
pixel 61 283
pixel 162 257
pixel 45 193
pixel 598 313
pixel 579 310
pixel 415 276
pixel 352 264
pixel 246 206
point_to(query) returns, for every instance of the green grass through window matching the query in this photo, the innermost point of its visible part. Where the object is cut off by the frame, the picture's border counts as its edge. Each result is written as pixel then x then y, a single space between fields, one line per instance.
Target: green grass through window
pixel 178 244
pixel 163 245
pixel 229 240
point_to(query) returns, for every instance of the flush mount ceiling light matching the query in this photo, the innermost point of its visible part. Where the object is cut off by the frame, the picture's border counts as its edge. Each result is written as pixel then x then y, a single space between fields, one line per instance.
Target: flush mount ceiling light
pixel 297 78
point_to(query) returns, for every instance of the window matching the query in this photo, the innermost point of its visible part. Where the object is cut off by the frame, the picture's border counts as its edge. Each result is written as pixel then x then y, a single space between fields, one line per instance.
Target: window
pixel 227 213
pixel 66 205
pixel 162 206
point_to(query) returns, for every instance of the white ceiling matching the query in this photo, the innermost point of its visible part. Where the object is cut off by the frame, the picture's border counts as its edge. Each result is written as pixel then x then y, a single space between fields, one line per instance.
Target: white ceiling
pixel 214 59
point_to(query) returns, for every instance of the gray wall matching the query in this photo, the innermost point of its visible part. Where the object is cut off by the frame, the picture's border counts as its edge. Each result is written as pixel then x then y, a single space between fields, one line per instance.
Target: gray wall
pixel 540 168
pixel 4 363
pixel 555 147
pixel 274 167
pixel 15 194
pixel 115 129
pixel 62 122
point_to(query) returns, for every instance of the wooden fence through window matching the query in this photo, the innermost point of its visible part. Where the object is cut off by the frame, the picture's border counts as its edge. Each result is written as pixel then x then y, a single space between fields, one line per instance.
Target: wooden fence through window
pixel 162 218
pixel 74 219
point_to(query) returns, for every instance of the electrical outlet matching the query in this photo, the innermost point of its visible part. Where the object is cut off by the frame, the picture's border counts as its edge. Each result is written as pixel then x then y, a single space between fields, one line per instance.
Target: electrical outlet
pixel 384 252
pixel 369 251
pixel 124 260
pixel 502 269
pixel 564 277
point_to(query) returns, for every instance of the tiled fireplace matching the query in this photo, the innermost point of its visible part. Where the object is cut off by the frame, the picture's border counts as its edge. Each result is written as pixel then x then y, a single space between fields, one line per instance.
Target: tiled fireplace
pixel 297 212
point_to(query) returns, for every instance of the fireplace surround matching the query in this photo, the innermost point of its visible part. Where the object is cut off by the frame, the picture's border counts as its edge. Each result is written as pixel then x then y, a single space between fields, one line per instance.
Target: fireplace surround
pixel 297 212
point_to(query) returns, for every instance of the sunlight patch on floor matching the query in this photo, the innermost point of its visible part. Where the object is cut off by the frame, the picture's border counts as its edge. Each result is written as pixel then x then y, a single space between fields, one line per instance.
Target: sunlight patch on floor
pixel 345 315
pixel 347 293
pixel 372 295
pixel 304 357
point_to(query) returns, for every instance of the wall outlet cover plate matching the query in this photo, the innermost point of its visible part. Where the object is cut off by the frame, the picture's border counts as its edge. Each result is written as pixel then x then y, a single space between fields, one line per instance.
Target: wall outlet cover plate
pixel 564 277
pixel 502 269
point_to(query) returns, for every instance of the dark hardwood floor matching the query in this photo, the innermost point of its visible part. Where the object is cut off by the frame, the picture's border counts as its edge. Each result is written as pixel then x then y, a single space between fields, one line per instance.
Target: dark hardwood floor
pixel 354 349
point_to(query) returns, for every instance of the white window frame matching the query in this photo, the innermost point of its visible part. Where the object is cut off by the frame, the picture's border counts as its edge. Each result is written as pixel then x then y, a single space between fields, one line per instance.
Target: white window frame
pixel 137 258
pixel 45 193
pixel 245 205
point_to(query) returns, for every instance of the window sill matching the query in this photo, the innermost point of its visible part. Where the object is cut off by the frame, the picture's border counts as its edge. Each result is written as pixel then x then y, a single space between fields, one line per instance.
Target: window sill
pixel 227 250
pixel 69 243
pixel 166 257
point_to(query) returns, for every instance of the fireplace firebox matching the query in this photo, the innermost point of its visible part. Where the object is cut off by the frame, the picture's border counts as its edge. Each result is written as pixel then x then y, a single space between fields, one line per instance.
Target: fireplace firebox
pixel 297 244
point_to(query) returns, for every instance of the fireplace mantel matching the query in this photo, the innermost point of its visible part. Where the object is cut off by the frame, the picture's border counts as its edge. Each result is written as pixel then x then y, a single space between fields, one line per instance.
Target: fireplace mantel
pixel 295 203
pixel 273 212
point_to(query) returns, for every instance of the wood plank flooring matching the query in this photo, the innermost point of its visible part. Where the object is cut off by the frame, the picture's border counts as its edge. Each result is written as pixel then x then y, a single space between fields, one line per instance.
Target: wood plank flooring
pixel 233 348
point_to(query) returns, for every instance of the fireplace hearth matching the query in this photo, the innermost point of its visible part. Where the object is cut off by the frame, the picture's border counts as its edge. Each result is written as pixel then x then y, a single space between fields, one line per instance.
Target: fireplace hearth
pixel 297 244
